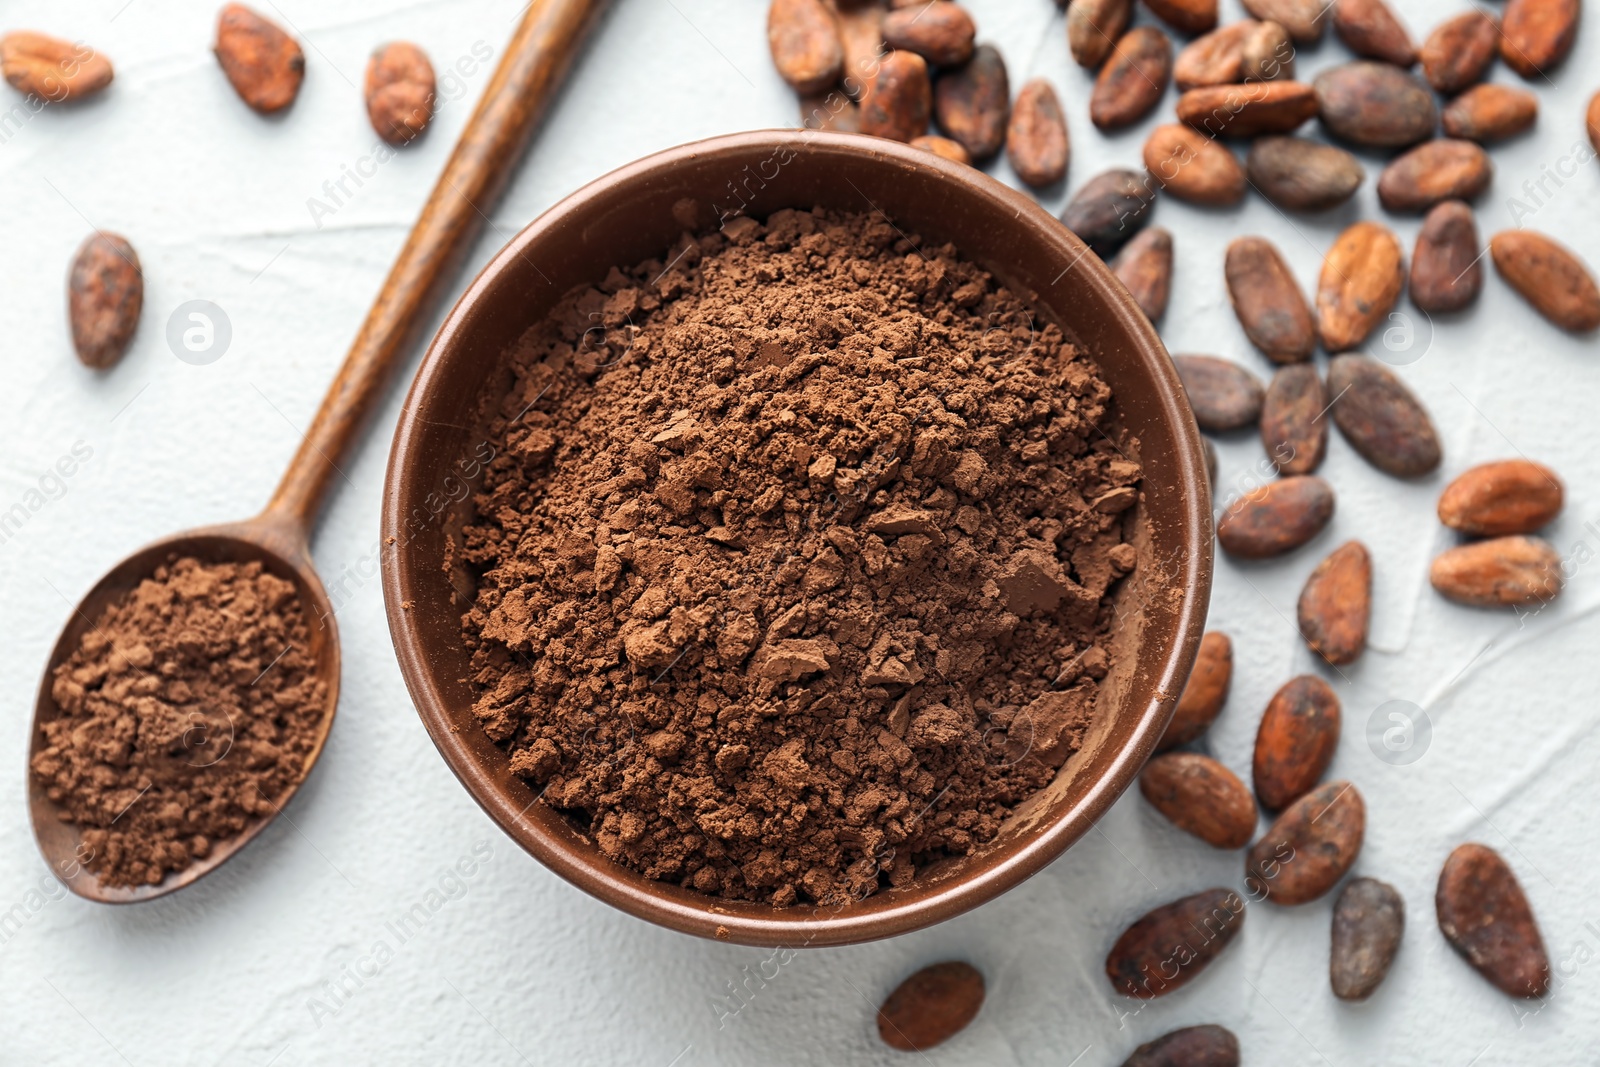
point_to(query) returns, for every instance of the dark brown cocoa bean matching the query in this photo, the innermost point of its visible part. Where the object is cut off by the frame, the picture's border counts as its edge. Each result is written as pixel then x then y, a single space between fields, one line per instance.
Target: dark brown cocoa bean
pixel 400 92
pixel 1447 267
pixel 1268 301
pixel 898 98
pixel 1376 104
pixel 1458 52
pixel 1193 167
pixel 1369 919
pixel 1335 606
pixel 942 33
pixel 1485 916
pixel 1487 113
pixel 264 64
pixel 1276 518
pixel 1434 172
pixel 1311 846
pixel 1371 29
pixel 1294 419
pixel 973 104
pixel 1093 28
pixel 105 295
pixel 1549 277
pixel 1193 1046
pixel 1502 572
pixel 51 69
pixel 1301 175
pixel 1037 144
pixel 1204 694
pixel 1169 946
pixel 1512 496
pixel 1302 18
pixel 1133 79
pixel 931 1006
pixel 1295 742
pixel 1200 796
pixel 1248 110
pixel 1109 209
pixel 1536 35
pixel 1145 266
pixel 1361 279
pixel 1381 418
pixel 1224 395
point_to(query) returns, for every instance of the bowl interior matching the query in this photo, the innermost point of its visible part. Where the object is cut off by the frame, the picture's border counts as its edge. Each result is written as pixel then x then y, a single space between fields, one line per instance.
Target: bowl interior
pixel 634 214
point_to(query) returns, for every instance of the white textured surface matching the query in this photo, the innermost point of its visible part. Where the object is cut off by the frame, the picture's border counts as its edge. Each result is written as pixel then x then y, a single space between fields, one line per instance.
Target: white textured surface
pixel 523 968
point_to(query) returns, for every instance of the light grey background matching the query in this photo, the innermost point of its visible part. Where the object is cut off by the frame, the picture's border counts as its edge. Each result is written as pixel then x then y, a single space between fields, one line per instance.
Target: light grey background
pixel 523 968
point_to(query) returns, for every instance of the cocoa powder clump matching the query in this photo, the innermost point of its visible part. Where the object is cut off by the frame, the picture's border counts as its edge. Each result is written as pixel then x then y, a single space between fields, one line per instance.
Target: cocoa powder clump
pixel 793 563
pixel 190 706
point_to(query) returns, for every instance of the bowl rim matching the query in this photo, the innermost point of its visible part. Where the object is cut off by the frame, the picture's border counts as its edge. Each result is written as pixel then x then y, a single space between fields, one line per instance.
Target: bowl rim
pixel 814 925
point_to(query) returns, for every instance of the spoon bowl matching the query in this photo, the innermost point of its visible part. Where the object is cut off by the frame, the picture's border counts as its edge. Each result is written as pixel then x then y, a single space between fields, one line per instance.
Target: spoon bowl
pixel 281 549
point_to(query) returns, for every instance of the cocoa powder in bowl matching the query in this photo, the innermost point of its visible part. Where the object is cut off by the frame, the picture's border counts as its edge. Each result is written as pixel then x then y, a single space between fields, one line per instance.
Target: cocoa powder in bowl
pixel 793 562
pixel 188 707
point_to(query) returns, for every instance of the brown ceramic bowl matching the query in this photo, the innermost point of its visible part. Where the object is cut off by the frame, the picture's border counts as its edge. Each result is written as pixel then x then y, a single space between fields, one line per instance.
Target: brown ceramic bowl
pixel 635 213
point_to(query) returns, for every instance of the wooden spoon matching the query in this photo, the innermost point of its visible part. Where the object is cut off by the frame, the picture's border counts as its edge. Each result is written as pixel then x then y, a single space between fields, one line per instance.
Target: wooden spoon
pixel 535 62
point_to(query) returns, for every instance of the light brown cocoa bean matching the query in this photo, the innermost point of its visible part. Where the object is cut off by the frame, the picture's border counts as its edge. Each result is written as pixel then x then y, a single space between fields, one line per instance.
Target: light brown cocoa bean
pixel 105 295
pixel 1037 144
pixel 1503 572
pixel 1193 167
pixel 1188 17
pixel 1361 279
pixel 1311 846
pixel 51 69
pixel 1303 19
pixel 1204 694
pixel 1295 741
pixel 1200 796
pixel 943 147
pixel 264 64
pixel 1248 110
pixel 1093 28
pixel 1371 29
pixel 898 99
pixel 1549 277
pixel 1511 496
pixel 1267 53
pixel 1487 113
pixel 931 1006
pixel 1458 52
pixel 400 92
pixel 1536 35
pixel 942 33
pixel 1335 606
pixel 1433 172
pixel 1133 79
pixel 1215 59
pixel 1276 518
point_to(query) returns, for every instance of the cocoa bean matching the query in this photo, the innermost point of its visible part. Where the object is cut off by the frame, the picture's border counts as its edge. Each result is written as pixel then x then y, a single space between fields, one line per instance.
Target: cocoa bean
pixel 1458 52
pixel 1446 268
pixel 1294 419
pixel 1109 209
pixel 1093 28
pixel 1276 518
pixel 400 92
pixel 1268 301
pixel 1295 741
pixel 1145 266
pixel 1549 277
pixel 1371 29
pixel 1487 113
pixel 1133 79
pixel 1215 59
pixel 264 64
pixel 1267 53
pixel 898 98
pixel 1433 172
pixel 1375 104
pixel 105 294
pixel 1485 916
pixel 1036 137
pixel 861 37
pixel 943 147
pixel 1311 846
pixel 833 110
pixel 1302 18
pixel 1188 17
pixel 941 33
pixel 973 104
pixel 1362 276
pixel 1301 175
pixel 931 1006
pixel 51 69
pixel 1224 395
pixel 1369 919
pixel 1193 167
pixel 1169 946
pixel 1536 35
pixel 1248 110
pixel 1200 796
pixel 1592 121
pixel 1381 418
pixel 1503 572
pixel 1511 496
pixel 1204 694
pixel 1336 604
pixel 1193 1046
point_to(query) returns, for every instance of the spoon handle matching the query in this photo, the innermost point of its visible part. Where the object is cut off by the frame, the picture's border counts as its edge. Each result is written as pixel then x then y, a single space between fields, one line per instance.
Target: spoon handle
pixel 534 64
